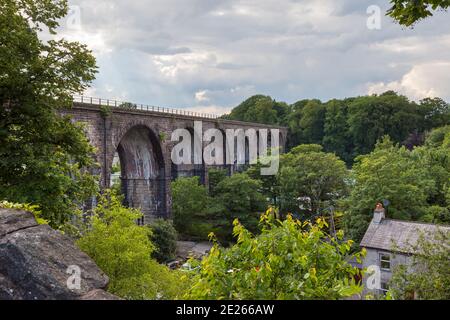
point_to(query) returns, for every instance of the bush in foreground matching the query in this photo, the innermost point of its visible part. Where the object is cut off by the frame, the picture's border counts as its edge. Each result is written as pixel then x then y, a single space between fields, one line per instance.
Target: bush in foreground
pixel 122 250
pixel 290 259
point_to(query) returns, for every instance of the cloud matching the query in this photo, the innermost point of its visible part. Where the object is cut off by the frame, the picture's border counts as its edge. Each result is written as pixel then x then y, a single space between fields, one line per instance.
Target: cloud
pixel 201 96
pixel 235 95
pixel 426 80
pixel 214 54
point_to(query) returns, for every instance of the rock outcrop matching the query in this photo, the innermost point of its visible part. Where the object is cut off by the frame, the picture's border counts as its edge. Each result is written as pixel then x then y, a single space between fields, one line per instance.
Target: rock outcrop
pixel 37 262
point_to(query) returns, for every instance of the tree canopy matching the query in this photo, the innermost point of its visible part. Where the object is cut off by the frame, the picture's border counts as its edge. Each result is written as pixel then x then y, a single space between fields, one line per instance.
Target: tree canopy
pixel 351 126
pixel 259 108
pixel 407 12
pixel 42 154
pixel 414 182
pixel 310 180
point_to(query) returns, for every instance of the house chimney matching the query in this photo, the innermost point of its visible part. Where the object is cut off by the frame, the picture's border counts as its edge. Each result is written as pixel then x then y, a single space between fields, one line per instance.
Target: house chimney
pixel 378 214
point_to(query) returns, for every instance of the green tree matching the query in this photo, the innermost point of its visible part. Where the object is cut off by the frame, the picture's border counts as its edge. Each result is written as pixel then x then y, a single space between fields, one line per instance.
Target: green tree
pixel 435 112
pixel 215 176
pixel 261 109
pixel 348 127
pixel 372 117
pixel 122 250
pixel 189 203
pixel 309 180
pixel 240 196
pixel 288 260
pixel 434 157
pixel 295 134
pixel 336 136
pixel 389 173
pixel 42 154
pixel 439 137
pixel 196 214
pixel 407 12
pixel 312 122
pixel 164 237
pixel 428 276
pixel 269 184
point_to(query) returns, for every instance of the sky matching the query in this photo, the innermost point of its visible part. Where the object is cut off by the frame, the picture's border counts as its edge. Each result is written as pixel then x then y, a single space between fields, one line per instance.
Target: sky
pixel 208 55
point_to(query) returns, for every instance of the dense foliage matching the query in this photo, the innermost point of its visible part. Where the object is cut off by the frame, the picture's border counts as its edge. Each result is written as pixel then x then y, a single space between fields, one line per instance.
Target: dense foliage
pixel 122 250
pixel 407 12
pixel 190 202
pixel 164 237
pixel 352 126
pixel 434 156
pixel 42 155
pixel 268 184
pixel 313 183
pixel 415 183
pixel 290 259
pixel 428 276
pixel 215 176
pixel 259 108
pixel 197 213
pixel 239 194
pixel 310 180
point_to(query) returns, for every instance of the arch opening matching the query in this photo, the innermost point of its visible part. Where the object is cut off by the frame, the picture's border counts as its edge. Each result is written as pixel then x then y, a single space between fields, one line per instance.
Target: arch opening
pixel 140 163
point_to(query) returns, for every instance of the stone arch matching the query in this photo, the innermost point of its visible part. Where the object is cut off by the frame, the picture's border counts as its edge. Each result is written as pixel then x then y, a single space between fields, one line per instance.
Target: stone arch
pixel 142 175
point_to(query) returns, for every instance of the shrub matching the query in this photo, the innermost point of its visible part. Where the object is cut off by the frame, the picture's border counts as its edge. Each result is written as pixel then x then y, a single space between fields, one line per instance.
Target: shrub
pixel 128 105
pixel 290 259
pixel 122 250
pixel 164 238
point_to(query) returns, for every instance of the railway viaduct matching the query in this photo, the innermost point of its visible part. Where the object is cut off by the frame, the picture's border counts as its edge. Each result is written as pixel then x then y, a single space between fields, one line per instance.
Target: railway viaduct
pixel 139 136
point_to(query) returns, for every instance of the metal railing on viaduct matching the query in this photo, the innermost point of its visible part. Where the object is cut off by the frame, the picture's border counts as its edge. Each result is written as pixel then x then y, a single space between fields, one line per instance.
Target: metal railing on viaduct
pixel 144 107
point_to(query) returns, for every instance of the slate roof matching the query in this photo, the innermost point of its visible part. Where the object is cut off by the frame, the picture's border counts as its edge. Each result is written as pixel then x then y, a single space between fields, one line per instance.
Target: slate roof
pixel 396 234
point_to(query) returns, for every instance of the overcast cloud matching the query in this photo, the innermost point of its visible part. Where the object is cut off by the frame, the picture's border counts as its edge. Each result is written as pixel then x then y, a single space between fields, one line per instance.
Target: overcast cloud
pixel 210 55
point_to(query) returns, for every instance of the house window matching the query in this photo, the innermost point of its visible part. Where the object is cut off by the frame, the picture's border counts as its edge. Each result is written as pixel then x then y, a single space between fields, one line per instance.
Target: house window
pixel 385 262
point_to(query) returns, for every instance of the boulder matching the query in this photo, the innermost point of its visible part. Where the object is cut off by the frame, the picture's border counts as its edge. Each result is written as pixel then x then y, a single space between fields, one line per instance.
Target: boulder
pixel 99 294
pixel 186 249
pixel 12 220
pixel 37 262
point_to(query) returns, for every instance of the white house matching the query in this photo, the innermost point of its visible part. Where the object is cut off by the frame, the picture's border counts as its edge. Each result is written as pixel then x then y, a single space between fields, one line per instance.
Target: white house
pixel 389 243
